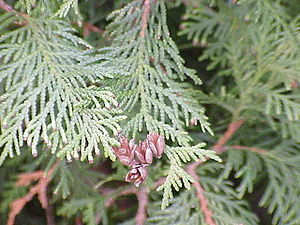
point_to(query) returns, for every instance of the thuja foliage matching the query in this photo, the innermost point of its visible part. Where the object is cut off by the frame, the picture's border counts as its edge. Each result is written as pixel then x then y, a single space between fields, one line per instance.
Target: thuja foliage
pixel 83 83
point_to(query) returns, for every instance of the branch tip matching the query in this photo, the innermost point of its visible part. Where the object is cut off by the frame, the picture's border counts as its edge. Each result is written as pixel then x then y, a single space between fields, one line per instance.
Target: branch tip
pixel 145 16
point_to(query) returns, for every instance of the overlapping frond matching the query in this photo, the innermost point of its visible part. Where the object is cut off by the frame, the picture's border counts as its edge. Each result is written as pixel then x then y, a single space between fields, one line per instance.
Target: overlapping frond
pixel 152 91
pixel 287 105
pixel 284 179
pixel 223 202
pixel 66 7
pixel 92 210
pixel 177 177
pixel 282 170
pixel 45 77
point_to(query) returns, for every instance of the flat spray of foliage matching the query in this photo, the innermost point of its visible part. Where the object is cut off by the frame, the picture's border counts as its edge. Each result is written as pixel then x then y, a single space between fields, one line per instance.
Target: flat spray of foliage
pixel 64 100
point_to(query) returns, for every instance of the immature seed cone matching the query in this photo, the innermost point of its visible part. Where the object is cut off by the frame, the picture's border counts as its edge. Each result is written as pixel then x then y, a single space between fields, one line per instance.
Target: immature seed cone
pixel 125 152
pixel 143 153
pixel 156 143
pixel 137 174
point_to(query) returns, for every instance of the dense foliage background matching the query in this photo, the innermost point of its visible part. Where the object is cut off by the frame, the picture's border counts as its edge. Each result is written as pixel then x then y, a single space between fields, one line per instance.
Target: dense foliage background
pixel 218 80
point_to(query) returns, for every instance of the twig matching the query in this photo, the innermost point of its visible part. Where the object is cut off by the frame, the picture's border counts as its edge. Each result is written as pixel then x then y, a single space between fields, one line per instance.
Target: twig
pixel 252 149
pixel 130 190
pixel 294 84
pixel 145 15
pixel 6 7
pixel 78 220
pixel 232 128
pixel 219 146
pixel 141 214
pixel 88 27
pixel 39 189
pixel 208 216
pixel 49 215
pixel 191 169
pixel 142 195
pixel 127 191
pixel 25 179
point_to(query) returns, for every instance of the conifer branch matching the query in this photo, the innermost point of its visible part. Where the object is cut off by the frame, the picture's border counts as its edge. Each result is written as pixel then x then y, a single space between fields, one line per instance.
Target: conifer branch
pixel 219 146
pixel 39 189
pixel 252 149
pixel 6 7
pixel 49 215
pixel 191 169
pixel 88 28
pixel 129 190
pixel 141 214
pixel 203 202
pixel 145 16
pixel 232 128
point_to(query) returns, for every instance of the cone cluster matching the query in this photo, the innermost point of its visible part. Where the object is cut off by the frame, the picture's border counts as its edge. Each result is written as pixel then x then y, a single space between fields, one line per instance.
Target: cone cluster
pixel 138 157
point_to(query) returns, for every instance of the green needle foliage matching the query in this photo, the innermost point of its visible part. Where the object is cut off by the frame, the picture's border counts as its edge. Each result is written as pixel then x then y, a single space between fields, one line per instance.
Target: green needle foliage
pixel 76 75
pixel 152 85
pixel 222 199
pixel 152 89
pixel 47 97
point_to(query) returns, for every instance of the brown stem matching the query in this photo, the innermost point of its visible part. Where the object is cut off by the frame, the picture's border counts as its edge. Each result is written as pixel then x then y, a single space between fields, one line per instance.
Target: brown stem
pixel 88 27
pixel 252 149
pixel 78 220
pixel 142 194
pixel 39 189
pixel 294 84
pixel 145 15
pixel 231 129
pixel 6 7
pixel 141 214
pixel 49 215
pixel 142 197
pixel 127 191
pixel 191 169
pixel 130 190
pixel 203 202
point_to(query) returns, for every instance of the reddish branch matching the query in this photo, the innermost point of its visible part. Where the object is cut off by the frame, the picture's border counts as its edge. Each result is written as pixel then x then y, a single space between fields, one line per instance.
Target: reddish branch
pixel 127 191
pixel 130 190
pixel 252 149
pixel 232 128
pixel 295 84
pixel 141 215
pixel 203 202
pixel 142 195
pixel 78 220
pixel 145 16
pixel 39 189
pixel 88 28
pixel 191 169
pixel 6 7
pixel 49 215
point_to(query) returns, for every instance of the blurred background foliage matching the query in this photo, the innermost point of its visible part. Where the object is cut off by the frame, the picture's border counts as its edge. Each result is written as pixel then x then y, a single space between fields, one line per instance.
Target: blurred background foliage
pixel 246 52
